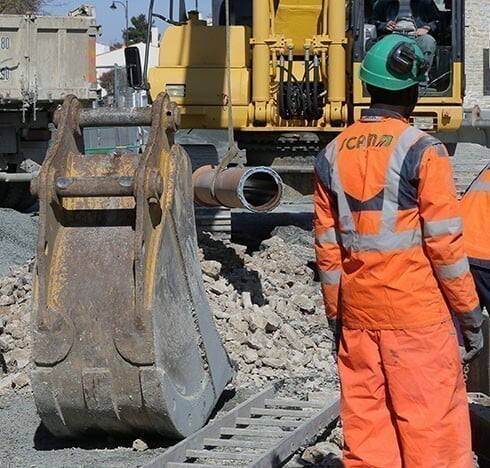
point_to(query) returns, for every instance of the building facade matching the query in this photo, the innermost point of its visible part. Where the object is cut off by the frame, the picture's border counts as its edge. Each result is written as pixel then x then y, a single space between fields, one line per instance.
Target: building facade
pixel 477 46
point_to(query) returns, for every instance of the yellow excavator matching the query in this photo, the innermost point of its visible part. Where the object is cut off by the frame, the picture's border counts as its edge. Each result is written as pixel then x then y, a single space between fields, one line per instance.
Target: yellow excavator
pixel 294 75
pixel 123 337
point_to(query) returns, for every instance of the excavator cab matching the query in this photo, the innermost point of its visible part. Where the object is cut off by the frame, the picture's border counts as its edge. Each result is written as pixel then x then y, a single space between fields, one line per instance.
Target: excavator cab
pixel 440 106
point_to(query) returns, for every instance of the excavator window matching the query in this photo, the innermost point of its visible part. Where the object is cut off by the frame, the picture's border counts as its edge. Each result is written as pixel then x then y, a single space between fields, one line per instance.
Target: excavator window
pixel 240 12
pixel 409 15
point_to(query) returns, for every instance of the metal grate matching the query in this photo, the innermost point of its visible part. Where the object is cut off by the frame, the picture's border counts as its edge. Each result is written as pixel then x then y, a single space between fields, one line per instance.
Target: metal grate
pixel 262 432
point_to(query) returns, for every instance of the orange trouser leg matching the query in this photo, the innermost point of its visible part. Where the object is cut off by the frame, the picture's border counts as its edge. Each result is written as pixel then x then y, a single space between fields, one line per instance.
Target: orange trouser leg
pixel 369 429
pixel 425 382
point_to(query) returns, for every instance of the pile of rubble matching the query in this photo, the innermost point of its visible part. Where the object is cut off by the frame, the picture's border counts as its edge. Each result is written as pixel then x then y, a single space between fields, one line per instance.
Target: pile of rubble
pixel 267 307
pixel 15 300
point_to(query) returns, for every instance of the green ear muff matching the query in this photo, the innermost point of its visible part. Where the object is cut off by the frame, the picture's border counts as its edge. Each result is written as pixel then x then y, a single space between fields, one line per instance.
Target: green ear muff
pixel 403 60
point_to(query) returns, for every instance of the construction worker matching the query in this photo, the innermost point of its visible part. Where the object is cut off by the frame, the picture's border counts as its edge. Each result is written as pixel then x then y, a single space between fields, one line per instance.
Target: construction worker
pixel 417 19
pixel 475 207
pixel 392 266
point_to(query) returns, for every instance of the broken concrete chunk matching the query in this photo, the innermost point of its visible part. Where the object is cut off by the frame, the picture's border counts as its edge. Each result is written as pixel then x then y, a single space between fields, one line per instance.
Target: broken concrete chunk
pixel 250 356
pixel 304 303
pixel 140 445
pixel 218 287
pixel 246 300
pixel 211 268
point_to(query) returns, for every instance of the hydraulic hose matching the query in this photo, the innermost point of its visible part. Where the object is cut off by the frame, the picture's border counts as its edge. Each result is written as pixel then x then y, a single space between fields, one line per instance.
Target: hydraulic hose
pixel 289 87
pixel 308 103
pixel 282 103
pixel 317 111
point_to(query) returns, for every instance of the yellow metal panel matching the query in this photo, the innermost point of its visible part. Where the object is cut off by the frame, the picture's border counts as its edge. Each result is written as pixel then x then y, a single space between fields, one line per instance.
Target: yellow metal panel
pixel 261 60
pixel 293 129
pixel 203 86
pixel 202 46
pixel 213 117
pixel 357 85
pixel 447 118
pixel 299 20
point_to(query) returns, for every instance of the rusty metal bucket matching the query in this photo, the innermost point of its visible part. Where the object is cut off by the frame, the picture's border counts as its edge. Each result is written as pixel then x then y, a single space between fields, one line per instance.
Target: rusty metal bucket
pixel 123 337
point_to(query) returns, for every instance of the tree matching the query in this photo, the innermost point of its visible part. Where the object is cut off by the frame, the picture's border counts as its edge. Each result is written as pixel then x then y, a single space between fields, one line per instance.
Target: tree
pixel 116 45
pixel 106 81
pixel 137 32
pixel 20 7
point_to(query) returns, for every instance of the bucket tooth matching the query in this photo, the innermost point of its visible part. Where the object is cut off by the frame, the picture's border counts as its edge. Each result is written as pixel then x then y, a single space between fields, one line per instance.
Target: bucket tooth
pixel 123 337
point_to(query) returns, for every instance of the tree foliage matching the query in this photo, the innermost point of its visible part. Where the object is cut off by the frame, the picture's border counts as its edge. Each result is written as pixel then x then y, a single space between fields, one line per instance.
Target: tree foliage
pixel 106 81
pixel 20 7
pixel 116 45
pixel 137 32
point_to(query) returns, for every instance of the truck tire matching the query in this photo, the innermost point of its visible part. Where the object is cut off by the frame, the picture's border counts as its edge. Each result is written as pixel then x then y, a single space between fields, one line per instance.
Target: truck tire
pixel 16 196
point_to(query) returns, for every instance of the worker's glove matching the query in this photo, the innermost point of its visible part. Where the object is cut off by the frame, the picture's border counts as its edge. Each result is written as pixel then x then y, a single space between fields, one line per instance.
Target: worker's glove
pixel 473 343
pixel 470 324
pixel 335 326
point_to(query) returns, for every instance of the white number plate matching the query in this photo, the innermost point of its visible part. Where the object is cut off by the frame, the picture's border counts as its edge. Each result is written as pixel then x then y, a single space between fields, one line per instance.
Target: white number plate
pixel 4 74
pixel 5 43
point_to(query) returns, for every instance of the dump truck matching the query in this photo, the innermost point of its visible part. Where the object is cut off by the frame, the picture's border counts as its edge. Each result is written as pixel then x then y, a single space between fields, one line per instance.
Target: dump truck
pixel 123 337
pixel 43 59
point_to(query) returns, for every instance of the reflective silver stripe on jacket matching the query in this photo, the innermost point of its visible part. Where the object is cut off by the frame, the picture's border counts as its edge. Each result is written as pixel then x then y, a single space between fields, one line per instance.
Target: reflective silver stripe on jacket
pixel 390 203
pixel 455 270
pixel 387 239
pixel 328 237
pixel 345 215
pixel 480 186
pixel 330 277
pixel 444 226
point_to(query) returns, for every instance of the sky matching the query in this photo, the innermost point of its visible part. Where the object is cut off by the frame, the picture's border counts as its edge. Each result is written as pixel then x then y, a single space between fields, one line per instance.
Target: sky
pixel 113 21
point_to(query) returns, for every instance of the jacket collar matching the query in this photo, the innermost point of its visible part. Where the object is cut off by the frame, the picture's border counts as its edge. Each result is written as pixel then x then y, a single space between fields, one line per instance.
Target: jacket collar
pixel 380 113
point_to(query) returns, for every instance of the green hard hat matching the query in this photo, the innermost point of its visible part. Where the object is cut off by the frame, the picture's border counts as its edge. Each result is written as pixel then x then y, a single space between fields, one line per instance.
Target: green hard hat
pixel 394 63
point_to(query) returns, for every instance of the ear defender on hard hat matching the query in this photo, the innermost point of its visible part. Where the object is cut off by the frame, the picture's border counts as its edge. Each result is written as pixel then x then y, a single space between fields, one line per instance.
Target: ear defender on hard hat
pixel 403 60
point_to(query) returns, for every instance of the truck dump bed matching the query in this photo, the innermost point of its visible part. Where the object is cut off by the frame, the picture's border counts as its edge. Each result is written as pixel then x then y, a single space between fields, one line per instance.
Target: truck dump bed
pixel 45 58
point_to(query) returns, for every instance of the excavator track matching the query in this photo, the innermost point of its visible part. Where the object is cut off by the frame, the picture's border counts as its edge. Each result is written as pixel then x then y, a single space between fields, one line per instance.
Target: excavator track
pixel 123 339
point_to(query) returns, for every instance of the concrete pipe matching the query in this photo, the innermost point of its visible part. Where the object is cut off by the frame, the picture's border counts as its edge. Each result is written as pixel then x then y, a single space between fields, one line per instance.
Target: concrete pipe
pixel 257 189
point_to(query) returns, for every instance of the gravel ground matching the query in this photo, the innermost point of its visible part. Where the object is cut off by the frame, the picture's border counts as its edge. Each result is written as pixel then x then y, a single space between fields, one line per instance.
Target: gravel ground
pixel 24 441
pixel 18 233
pixel 238 273
pixel 268 312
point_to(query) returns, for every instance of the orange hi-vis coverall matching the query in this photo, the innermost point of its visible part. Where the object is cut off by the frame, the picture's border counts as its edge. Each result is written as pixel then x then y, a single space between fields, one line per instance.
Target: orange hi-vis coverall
pixel 392 265
pixel 475 207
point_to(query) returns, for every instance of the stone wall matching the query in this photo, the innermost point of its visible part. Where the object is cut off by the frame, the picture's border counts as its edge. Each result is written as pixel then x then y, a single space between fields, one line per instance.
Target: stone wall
pixel 477 39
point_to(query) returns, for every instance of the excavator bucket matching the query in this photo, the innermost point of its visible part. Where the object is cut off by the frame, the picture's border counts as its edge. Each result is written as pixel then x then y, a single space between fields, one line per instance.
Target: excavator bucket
pixel 123 339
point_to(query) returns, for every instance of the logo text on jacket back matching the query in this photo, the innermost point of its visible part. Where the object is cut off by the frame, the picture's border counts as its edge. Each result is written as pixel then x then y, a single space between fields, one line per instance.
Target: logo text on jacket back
pixel 366 141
